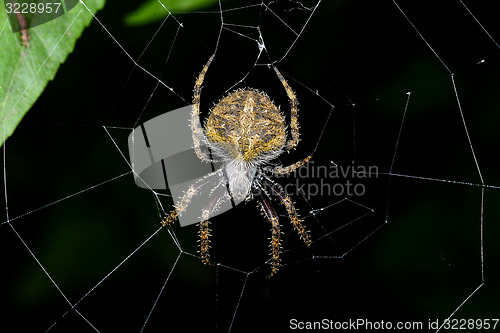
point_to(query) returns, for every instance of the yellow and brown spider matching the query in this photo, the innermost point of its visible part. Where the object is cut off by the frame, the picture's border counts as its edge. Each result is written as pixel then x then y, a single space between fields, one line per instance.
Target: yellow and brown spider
pixel 245 131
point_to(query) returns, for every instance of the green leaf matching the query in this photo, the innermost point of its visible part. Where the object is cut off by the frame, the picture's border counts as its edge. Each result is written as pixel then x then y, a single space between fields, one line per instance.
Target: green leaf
pixel 151 10
pixel 25 71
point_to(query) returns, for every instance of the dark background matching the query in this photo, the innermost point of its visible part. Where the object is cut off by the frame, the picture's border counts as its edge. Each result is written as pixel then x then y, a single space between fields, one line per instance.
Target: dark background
pixel 410 248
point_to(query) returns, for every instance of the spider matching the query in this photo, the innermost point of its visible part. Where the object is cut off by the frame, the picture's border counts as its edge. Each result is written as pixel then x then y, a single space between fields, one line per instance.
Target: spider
pixel 246 132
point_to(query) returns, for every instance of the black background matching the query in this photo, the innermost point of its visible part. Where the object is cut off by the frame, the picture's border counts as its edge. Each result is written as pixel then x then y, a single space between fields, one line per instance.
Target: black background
pixel 362 57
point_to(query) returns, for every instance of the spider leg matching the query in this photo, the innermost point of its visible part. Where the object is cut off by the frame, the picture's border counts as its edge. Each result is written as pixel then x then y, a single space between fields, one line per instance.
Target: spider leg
pixel 277 190
pixel 196 128
pixel 281 170
pixel 184 202
pixel 218 196
pixel 294 123
pixel 270 214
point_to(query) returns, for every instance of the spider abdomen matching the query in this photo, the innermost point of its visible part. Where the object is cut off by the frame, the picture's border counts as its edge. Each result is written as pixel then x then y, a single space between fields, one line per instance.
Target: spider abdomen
pixel 246 126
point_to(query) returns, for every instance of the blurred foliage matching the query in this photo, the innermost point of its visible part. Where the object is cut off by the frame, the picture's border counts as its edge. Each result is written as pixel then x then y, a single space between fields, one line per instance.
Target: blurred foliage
pixel 152 10
pixel 26 70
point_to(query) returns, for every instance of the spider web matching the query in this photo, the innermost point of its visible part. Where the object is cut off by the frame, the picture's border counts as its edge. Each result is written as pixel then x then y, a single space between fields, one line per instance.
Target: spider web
pixel 407 88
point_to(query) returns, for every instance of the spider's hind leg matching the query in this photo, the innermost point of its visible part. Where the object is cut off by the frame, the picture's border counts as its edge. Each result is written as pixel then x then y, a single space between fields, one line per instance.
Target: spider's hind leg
pixel 281 170
pixel 195 124
pixel 294 122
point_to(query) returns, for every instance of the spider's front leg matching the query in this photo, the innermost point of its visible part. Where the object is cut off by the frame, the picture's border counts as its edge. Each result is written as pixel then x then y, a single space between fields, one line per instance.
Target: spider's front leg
pixel 218 196
pixel 204 233
pixel 182 204
pixel 270 214
pixel 278 190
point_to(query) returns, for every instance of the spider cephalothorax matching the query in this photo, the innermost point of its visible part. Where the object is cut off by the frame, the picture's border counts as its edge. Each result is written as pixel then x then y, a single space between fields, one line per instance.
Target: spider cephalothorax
pixel 246 131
